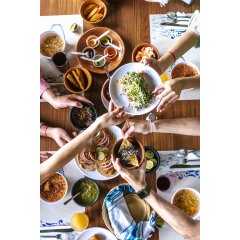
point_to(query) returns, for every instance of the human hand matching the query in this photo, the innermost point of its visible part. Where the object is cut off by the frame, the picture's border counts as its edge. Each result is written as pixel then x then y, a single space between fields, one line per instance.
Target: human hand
pixel 135 126
pixel 135 177
pixel 44 156
pixel 168 93
pixel 59 135
pixel 155 64
pixel 113 117
pixel 71 100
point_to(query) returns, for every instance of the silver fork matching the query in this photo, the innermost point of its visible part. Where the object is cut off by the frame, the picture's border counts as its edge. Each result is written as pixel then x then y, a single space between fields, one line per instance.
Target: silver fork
pixel 58 236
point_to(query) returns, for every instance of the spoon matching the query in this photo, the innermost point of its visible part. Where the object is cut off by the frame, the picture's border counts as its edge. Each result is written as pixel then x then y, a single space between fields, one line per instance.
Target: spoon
pixel 182 153
pixel 94 61
pixel 112 45
pixel 81 54
pixel 70 199
pixel 174 16
pixel 98 38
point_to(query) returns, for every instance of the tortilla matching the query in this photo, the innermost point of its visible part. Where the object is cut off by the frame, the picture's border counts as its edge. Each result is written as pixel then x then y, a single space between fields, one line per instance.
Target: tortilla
pixel 86 166
pixel 137 207
pixel 132 158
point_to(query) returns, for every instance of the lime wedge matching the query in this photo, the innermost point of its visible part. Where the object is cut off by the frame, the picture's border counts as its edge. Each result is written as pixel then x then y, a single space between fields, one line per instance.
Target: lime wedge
pixel 149 154
pixel 149 165
pixel 101 156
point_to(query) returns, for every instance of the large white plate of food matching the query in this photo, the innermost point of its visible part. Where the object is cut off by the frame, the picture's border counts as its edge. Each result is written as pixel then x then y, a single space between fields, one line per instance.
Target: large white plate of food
pixel 94 161
pixel 131 86
pixel 96 233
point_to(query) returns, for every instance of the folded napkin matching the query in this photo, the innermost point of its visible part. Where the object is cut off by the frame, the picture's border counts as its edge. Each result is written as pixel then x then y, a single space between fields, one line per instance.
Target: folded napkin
pixel 124 226
pixel 162 2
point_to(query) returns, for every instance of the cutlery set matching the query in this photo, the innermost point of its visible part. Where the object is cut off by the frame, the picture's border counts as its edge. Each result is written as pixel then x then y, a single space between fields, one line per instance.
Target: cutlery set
pixel 176 20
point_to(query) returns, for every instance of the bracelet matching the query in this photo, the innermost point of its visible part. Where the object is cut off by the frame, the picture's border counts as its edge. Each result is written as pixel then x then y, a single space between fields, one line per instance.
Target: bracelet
pixel 173 55
pixel 152 127
pixel 46 131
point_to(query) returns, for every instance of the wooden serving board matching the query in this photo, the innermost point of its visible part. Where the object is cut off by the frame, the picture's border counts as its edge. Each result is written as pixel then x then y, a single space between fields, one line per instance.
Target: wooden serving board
pixel 111 64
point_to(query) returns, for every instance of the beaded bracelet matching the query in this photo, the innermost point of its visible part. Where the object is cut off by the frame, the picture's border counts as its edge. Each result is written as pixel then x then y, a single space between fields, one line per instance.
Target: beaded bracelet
pixel 173 55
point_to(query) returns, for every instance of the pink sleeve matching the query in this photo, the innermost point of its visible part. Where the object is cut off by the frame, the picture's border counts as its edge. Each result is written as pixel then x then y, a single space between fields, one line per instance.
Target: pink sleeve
pixel 43 86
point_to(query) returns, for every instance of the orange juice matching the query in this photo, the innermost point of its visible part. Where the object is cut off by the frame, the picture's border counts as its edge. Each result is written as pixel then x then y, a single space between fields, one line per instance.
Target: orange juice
pixel 164 77
pixel 79 221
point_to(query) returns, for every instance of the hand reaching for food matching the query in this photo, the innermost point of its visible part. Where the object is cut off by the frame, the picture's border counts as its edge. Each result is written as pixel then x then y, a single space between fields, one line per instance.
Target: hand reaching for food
pixel 135 126
pixel 59 135
pixel 168 93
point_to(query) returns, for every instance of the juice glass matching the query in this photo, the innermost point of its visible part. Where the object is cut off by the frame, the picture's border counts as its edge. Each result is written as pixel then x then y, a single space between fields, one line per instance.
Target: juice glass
pixel 79 221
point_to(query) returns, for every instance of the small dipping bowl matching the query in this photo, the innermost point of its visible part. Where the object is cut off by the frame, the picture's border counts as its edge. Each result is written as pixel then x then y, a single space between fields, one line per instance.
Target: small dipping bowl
pixel 90 41
pixel 164 183
pixel 100 63
pixel 104 40
pixel 111 51
pixel 73 116
pixel 78 187
pixel 91 52
pixel 156 157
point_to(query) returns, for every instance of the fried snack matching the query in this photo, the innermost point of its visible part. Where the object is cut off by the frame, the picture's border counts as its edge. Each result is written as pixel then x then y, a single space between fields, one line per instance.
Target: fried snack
pixel 88 8
pixel 96 17
pixel 81 78
pixel 96 237
pixel 72 80
pixel 93 12
pixel 100 9
pixel 77 79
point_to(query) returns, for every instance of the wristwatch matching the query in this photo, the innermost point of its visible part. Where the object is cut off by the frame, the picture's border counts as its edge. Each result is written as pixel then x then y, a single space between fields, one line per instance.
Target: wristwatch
pixel 144 192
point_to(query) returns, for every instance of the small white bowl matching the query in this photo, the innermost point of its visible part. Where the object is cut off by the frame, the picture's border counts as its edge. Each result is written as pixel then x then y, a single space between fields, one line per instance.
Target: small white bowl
pixel 94 64
pixel 46 34
pixel 194 191
pixel 91 36
pixel 188 64
pixel 63 195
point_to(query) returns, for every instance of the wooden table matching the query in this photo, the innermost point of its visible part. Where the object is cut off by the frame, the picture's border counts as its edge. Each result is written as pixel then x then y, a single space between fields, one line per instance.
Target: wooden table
pixel 130 19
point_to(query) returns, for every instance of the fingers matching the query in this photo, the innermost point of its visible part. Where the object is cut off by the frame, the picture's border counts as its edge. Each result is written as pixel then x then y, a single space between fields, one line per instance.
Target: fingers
pixel 164 101
pixel 111 106
pixel 73 103
pixel 66 137
pixel 80 98
pixel 74 133
pixel 60 142
pixel 129 132
pixel 117 110
pixel 157 89
pixel 172 100
pixel 126 126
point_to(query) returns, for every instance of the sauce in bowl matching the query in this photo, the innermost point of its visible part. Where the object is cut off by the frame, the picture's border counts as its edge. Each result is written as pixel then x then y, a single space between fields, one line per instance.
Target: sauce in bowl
pixel 91 41
pixel 90 52
pixel 104 41
pixel 112 52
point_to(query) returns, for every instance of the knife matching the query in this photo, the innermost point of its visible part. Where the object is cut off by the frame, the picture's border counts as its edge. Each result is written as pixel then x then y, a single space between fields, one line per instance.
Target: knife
pixel 173 24
pixel 184 166
pixel 56 229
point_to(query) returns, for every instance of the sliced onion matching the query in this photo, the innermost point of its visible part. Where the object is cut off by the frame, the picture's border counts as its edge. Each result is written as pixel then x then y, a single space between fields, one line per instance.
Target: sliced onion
pixel 92 157
pixel 107 165
pixel 103 139
pixel 85 158
pixel 106 144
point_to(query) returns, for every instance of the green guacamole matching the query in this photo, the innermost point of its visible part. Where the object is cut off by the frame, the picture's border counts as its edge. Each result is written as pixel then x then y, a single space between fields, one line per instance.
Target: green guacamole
pixel 89 192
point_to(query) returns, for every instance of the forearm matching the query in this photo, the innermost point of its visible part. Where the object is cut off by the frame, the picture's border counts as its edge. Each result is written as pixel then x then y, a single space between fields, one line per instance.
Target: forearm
pixel 178 220
pixel 183 126
pixel 67 152
pixel 49 96
pixel 190 82
pixel 179 48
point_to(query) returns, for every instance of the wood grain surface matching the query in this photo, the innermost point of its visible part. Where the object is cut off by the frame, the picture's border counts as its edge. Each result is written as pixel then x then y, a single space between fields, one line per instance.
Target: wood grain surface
pixel 130 19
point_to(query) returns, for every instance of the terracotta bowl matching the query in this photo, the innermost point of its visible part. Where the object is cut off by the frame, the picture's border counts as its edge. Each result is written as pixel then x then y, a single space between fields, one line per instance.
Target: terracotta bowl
pixel 135 143
pixel 138 48
pixel 99 3
pixel 87 77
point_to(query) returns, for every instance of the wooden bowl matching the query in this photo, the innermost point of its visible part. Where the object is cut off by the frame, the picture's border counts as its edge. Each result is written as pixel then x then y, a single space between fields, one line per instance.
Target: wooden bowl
pixel 111 64
pixel 138 48
pixel 135 143
pixel 97 2
pixel 87 77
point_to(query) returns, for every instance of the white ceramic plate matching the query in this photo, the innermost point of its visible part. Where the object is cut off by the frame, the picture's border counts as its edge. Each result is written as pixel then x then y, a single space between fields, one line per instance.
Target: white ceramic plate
pixel 104 233
pixel 115 88
pixel 95 174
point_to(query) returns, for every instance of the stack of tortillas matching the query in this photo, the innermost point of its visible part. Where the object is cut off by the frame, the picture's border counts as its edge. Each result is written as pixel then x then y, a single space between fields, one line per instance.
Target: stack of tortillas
pixel 138 208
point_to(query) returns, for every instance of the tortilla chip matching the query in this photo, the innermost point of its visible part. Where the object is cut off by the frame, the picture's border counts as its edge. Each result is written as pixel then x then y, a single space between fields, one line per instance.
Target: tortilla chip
pixel 125 144
pixel 133 160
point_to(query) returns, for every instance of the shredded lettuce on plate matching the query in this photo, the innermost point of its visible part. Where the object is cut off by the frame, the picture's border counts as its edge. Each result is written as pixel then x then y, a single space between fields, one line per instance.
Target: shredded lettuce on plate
pixel 135 88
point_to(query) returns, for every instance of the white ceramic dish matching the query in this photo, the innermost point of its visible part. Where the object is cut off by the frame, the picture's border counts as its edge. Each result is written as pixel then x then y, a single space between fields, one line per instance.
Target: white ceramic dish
pixel 186 63
pixel 104 233
pixel 196 193
pixel 63 195
pixel 48 34
pixel 115 88
pixel 95 175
